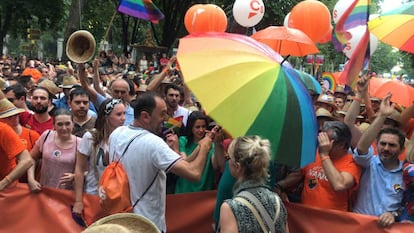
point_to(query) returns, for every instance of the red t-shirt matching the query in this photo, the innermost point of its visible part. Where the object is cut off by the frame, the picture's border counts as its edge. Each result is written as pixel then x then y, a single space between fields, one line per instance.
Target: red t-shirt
pixel 317 191
pixel 29 121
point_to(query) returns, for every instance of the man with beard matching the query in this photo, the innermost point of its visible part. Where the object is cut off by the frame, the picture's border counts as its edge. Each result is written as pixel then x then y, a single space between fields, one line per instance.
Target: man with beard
pixel 172 98
pixel 381 186
pixel 79 105
pixel 40 121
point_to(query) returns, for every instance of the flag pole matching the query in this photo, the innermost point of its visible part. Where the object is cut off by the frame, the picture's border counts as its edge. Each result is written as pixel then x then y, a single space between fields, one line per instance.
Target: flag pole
pixel 110 25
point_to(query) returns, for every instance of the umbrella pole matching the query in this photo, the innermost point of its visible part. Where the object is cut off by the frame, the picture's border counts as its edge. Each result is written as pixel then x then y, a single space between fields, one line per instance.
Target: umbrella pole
pixel 284 59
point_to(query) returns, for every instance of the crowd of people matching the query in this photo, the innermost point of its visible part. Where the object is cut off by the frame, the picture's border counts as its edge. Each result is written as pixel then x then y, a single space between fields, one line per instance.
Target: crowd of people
pixel 64 123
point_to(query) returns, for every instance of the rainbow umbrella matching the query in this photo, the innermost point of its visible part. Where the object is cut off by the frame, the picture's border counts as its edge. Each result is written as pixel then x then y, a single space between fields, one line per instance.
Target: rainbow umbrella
pixel 243 87
pixel 396 27
pixel 310 82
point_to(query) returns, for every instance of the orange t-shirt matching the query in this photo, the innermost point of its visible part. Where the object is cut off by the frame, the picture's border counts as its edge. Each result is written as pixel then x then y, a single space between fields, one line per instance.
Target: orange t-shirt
pixel 317 191
pixel 10 147
pixel 29 138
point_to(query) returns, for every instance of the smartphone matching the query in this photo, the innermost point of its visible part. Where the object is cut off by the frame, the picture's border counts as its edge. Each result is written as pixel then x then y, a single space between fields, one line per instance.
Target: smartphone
pixel 78 218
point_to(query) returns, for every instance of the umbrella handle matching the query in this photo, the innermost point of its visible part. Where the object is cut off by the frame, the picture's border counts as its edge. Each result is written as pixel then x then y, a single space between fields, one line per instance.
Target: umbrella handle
pixel 284 59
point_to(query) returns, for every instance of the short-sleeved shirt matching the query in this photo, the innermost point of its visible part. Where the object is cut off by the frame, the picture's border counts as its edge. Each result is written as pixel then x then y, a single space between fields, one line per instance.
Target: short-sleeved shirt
pixel 148 156
pixel 381 189
pixel 79 130
pixel 29 137
pixel 95 160
pixel 29 121
pixel 317 191
pixel 10 146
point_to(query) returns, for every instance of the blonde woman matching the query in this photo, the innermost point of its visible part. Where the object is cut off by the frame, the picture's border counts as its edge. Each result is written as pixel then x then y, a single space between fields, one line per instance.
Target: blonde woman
pixel 92 157
pixel 249 159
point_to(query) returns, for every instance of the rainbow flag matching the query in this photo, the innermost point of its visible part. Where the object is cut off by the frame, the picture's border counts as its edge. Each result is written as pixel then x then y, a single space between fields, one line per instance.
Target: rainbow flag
pixel 172 124
pixel 143 9
pixel 329 81
pixel 356 15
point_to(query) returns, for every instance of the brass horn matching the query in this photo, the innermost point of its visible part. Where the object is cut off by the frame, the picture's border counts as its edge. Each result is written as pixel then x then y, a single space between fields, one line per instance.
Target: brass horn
pixel 80 47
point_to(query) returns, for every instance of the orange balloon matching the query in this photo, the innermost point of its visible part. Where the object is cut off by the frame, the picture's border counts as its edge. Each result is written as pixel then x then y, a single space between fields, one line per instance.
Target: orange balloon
pixel 312 17
pixel 327 37
pixel 205 18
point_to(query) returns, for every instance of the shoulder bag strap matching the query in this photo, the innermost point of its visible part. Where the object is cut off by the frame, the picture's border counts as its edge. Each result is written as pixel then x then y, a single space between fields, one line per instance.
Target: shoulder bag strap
pixel 262 210
pixel 47 135
pixel 253 210
pixel 146 190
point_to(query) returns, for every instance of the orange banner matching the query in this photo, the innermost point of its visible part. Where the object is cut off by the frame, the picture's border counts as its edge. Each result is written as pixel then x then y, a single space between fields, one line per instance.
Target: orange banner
pixel 49 211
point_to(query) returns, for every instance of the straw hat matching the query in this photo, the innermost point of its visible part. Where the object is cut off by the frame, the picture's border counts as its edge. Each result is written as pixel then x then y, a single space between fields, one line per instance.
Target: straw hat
pixel 321 112
pixel 50 87
pixel 107 228
pixel 69 82
pixel 7 109
pixel 340 89
pixel 2 83
pixel 327 99
pixel 133 222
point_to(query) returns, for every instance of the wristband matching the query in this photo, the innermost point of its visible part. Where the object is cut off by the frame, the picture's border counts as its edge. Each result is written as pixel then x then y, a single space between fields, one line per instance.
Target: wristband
pixel 323 158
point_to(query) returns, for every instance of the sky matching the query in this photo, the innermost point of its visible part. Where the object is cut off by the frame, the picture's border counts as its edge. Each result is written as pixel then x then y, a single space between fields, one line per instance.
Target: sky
pixel 390 4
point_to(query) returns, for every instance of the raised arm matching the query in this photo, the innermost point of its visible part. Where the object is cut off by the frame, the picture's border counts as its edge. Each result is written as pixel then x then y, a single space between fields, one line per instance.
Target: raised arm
pixel 156 81
pixel 339 180
pixel 369 136
pixel 83 78
pixel 96 78
pixel 354 108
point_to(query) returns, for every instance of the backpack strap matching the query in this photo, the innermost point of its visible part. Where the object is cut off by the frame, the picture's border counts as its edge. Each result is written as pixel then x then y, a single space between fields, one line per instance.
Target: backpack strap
pixel 129 143
pixel 146 190
pixel 269 222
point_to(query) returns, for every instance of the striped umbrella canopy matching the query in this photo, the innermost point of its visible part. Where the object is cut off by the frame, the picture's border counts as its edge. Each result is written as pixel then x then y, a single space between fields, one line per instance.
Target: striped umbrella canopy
pixel 396 27
pixel 243 87
pixel 310 82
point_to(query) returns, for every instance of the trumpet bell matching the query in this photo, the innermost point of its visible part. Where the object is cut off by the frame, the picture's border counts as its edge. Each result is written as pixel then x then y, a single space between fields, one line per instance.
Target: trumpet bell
pixel 80 47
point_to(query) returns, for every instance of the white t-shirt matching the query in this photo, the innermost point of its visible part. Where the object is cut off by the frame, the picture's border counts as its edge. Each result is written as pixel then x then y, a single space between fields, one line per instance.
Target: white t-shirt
pixel 145 156
pixel 181 111
pixel 85 147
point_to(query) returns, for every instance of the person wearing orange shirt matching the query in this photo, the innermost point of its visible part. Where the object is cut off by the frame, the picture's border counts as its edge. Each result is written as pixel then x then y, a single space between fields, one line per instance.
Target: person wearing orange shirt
pixel 14 158
pixel 329 182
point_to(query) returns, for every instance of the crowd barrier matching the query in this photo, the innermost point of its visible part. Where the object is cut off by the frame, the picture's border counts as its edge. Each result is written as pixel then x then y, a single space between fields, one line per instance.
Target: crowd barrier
pixel 50 211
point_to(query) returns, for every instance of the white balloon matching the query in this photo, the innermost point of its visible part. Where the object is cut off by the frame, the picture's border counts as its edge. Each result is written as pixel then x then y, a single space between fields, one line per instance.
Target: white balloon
pixel 286 21
pixel 357 33
pixel 339 9
pixel 248 13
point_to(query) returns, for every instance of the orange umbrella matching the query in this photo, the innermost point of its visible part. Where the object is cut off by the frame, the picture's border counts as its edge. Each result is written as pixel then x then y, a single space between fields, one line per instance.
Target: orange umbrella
pixel 375 83
pixel 401 93
pixel 286 41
